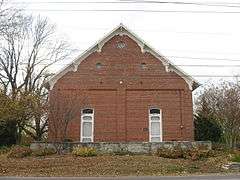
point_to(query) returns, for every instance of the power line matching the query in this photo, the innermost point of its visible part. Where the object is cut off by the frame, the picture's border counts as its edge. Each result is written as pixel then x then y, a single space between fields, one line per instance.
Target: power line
pixel 150 65
pixel 133 2
pixel 208 65
pixel 205 58
pixel 174 56
pixel 135 10
pixel 180 50
pixel 149 30
pixel 129 76
pixel 144 74
pixel 201 51
pixel 186 3
pixel 200 58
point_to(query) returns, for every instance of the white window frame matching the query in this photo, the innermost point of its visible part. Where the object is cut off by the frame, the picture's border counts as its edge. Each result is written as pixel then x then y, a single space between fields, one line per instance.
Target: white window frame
pixel 82 121
pixel 160 122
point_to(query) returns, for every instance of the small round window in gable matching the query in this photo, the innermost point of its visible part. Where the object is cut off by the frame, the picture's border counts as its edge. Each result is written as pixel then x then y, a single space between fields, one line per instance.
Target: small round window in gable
pixel 121 45
pixel 99 66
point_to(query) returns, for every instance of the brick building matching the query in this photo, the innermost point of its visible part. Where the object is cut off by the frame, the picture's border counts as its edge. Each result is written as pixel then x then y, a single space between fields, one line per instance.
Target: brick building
pixel 122 90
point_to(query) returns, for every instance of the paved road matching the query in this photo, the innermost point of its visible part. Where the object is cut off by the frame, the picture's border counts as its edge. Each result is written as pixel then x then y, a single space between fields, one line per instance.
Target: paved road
pixel 229 177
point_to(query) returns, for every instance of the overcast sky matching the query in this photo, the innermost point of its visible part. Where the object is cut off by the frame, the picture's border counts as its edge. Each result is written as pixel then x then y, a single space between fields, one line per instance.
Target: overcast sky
pixel 185 33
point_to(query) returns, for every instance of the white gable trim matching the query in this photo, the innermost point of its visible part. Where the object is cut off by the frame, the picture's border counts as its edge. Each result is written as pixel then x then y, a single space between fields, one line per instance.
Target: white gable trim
pixel 122 30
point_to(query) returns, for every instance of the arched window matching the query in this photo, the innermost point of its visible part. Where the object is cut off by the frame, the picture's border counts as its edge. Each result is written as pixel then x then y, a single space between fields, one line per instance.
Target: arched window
pixel 87 111
pixel 155 125
pixel 87 125
pixel 154 111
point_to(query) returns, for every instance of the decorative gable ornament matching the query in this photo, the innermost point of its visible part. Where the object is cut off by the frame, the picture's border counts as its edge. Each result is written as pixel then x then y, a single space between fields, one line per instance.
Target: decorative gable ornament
pixel 123 30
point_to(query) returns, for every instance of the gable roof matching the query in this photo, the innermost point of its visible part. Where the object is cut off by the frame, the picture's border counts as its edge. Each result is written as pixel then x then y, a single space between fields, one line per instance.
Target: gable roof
pixel 123 30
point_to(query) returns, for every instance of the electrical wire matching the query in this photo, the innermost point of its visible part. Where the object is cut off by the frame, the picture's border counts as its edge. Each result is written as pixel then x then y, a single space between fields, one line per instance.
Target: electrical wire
pixel 152 65
pixel 135 10
pixel 132 2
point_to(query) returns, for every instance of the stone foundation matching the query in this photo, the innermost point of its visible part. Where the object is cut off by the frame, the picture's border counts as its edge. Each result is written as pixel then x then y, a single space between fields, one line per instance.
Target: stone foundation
pixel 130 147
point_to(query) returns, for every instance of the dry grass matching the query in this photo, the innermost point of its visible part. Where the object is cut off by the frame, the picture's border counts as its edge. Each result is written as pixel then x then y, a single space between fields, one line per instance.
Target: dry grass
pixel 107 165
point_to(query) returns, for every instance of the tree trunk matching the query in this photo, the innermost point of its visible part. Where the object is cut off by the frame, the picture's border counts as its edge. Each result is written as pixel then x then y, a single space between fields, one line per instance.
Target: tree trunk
pixel 19 135
pixel 235 142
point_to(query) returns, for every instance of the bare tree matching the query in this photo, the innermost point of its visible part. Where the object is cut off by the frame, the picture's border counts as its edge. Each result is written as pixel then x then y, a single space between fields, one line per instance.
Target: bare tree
pixel 222 102
pixel 26 53
pixel 63 110
pixel 9 17
pixel 28 47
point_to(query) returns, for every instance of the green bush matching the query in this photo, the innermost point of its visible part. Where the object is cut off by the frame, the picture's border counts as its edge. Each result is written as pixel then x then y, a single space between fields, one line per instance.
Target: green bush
pixel 206 128
pixel 84 151
pixel 19 152
pixel 178 152
pixel 7 132
pixel 236 158
pixel 44 152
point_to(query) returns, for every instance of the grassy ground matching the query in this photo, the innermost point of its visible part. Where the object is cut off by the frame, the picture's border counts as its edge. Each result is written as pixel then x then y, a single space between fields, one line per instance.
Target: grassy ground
pixel 107 165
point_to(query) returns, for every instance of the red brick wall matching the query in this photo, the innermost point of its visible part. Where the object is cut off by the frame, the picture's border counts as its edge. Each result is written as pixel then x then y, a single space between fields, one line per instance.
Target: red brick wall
pixel 121 110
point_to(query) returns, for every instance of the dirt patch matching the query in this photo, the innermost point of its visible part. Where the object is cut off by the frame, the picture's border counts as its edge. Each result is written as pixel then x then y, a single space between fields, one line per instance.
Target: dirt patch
pixel 107 165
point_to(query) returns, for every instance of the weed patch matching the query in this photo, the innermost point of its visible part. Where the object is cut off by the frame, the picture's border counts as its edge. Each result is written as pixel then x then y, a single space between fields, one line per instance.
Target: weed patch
pixel 84 151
